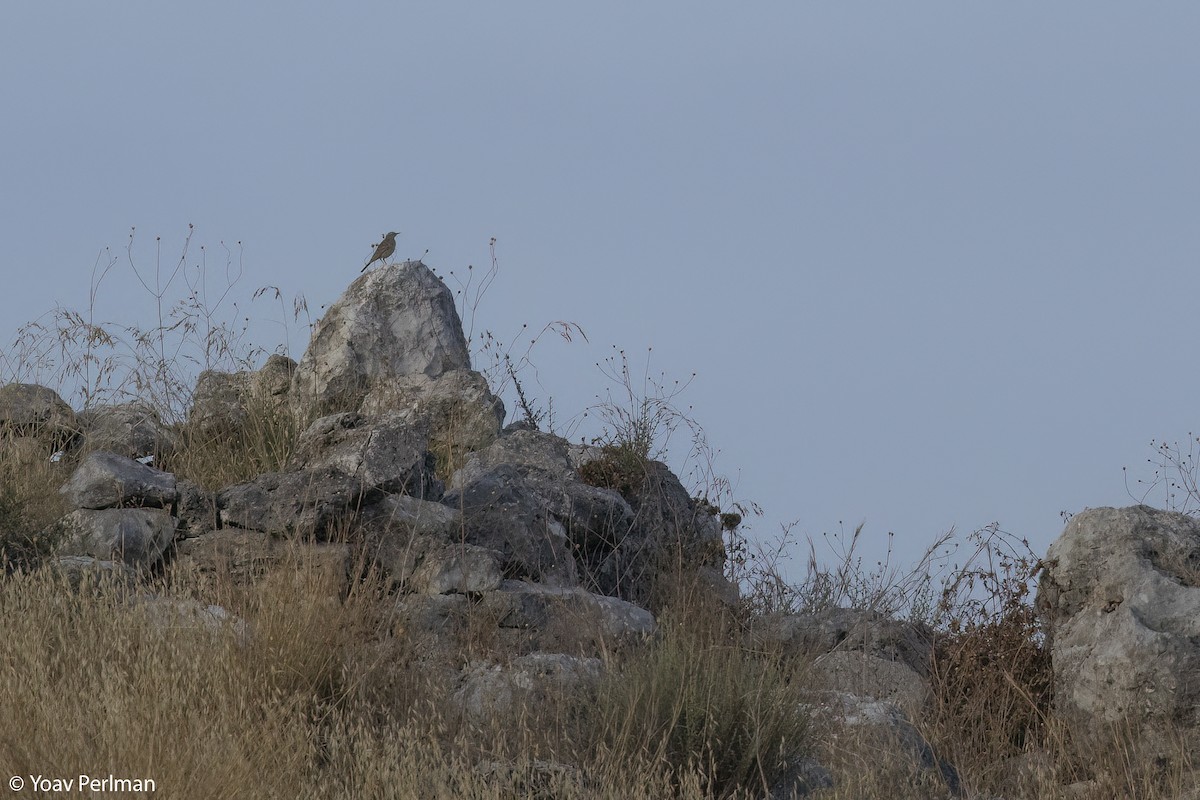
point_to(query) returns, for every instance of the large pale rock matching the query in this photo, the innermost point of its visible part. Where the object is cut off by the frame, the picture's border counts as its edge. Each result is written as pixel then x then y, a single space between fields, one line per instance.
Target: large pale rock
pixel 1121 597
pixel 133 430
pixel 30 410
pixel 107 480
pixel 321 503
pixel 384 454
pixel 136 536
pixel 391 323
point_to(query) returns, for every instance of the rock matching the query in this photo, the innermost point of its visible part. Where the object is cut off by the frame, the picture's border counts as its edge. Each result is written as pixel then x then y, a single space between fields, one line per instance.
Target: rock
pixel 391 323
pixel 885 729
pixel 241 557
pixel 320 503
pixel 488 691
pixel 851 630
pixel 195 509
pixel 133 430
pixel 225 402
pixel 593 517
pixel 500 511
pixel 572 611
pixel 457 411
pixel 136 536
pixel 671 533
pixel 869 676
pixel 107 480
pixel 86 570
pixel 384 454
pixel 1120 596
pixel 30 410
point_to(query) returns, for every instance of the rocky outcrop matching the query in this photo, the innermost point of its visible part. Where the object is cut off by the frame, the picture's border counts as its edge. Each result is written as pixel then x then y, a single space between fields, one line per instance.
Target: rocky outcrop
pixel 1120 595
pixel 391 323
pixel 136 536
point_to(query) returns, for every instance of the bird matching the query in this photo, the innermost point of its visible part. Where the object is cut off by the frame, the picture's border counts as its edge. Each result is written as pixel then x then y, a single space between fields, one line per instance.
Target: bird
pixel 383 250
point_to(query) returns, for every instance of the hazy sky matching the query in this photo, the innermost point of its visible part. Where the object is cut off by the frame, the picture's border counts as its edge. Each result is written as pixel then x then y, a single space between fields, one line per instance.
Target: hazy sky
pixel 934 264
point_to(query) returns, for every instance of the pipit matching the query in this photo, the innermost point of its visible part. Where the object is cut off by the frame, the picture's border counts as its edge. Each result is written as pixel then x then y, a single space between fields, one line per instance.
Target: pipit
pixel 383 250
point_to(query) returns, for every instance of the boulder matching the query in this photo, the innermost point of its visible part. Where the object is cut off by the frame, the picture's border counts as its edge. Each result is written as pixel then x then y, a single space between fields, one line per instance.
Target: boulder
pixel 195 509
pixel 566 618
pixel 30 410
pixel 456 410
pixel 136 536
pixel 225 402
pixel 1120 595
pixel 383 454
pixel 501 511
pixel 391 323
pixel 594 518
pixel 107 480
pixel 848 630
pixel 320 503
pixel 133 430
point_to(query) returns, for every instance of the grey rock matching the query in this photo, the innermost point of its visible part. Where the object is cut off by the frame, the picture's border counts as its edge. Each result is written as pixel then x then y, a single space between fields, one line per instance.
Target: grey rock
pixel 500 511
pixel 456 410
pixel 493 690
pixel 107 480
pixel 321 503
pixel 223 403
pixel 180 614
pixel 396 321
pixel 30 410
pixel 851 630
pixel 136 536
pixel 133 430
pixel 1120 595
pixel 195 509
pixel 802 777
pixel 385 454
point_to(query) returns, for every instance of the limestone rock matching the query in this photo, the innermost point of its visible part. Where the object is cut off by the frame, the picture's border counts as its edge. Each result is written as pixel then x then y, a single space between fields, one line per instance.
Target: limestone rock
pixel 225 402
pixel 500 511
pixel 137 536
pixel 30 410
pixel 391 323
pixel 320 503
pixel 1121 597
pixel 384 454
pixel 133 430
pixel 107 480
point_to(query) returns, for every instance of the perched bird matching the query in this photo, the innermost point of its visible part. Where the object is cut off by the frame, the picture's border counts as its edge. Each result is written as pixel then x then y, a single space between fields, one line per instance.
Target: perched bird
pixel 383 250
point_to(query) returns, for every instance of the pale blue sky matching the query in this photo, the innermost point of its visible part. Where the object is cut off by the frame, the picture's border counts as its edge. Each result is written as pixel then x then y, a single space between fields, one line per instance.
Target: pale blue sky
pixel 935 264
